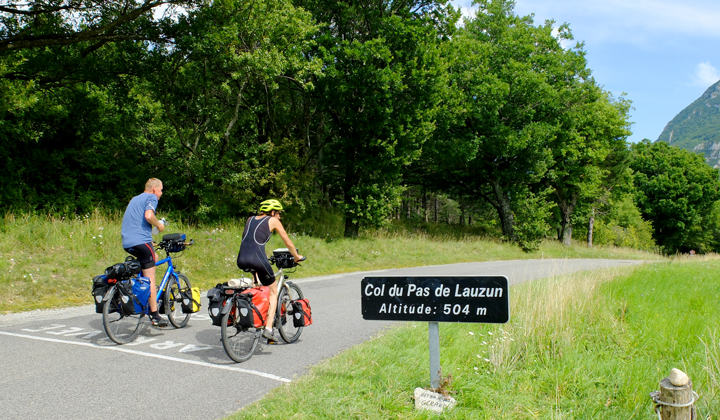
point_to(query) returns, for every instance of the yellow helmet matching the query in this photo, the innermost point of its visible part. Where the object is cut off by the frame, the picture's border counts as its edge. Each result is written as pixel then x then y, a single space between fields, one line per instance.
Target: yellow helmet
pixel 269 205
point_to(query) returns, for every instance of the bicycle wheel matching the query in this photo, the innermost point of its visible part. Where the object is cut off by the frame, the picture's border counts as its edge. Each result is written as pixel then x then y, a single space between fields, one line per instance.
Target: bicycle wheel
pixel 284 316
pixel 239 342
pixel 173 300
pixel 120 326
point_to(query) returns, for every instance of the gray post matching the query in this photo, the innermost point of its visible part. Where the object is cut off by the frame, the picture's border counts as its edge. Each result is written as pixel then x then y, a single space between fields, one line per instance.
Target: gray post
pixel 434 344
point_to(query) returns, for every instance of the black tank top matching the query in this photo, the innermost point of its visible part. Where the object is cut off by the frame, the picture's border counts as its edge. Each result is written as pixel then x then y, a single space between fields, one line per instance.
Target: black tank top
pixel 257 232
pixel 252 249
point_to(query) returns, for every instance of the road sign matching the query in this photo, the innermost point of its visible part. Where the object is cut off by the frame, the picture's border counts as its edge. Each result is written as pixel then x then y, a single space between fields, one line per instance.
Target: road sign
pixel 436 299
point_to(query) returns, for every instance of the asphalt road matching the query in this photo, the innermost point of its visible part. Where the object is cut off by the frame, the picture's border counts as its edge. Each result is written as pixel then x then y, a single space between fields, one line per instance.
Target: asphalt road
pixel 60 364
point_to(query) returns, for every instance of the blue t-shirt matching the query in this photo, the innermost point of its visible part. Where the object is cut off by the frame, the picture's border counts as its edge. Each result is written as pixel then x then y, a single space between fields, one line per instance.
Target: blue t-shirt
pixel 135 229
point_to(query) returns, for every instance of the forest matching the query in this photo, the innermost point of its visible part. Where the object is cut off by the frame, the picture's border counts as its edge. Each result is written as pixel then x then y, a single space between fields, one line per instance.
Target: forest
pixel 371 110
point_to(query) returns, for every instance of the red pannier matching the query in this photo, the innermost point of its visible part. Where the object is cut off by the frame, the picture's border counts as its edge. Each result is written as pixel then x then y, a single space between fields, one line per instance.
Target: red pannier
pixel 302 316
pixel 261 299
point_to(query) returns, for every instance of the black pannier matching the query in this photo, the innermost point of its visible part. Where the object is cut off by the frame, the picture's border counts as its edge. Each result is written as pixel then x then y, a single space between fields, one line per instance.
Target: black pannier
pixel 216 302
pixel 124 270
pixel 99 288
pixel 124 297
pixel 245 310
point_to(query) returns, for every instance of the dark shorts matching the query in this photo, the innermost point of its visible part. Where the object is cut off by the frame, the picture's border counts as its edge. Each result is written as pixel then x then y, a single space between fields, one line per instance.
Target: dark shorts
pixel 144 253
pixel 254 262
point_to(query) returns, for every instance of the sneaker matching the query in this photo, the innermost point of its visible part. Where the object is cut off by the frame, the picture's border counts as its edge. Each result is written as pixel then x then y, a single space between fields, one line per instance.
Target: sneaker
pixel 269 334
pixel 158 321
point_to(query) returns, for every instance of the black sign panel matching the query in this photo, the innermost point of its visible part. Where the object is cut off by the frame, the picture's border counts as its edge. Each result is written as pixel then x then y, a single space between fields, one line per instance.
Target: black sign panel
pixel 436 299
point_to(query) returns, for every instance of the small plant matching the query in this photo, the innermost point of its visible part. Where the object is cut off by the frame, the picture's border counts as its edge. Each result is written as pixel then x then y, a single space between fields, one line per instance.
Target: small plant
pixel 443 385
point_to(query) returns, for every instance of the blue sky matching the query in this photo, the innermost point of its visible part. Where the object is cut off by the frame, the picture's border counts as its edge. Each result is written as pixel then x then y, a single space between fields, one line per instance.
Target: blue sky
pixel 663 54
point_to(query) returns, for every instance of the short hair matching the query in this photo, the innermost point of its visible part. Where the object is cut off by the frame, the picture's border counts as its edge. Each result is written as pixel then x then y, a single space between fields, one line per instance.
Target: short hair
pixel 152 182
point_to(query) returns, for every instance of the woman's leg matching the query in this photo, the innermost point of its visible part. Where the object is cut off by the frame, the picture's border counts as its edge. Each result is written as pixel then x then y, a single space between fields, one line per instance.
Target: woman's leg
pixel 273 306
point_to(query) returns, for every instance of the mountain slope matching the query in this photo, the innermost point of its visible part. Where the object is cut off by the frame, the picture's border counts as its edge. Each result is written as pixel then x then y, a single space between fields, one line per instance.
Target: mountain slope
pixel 697 127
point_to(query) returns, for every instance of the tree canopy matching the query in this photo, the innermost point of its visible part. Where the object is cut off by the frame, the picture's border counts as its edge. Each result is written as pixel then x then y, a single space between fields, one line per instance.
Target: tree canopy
pixel 370 109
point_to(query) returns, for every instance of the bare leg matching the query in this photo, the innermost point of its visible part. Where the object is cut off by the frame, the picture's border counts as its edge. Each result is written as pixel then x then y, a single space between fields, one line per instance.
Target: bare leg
pixel 150 273
pixel 273 306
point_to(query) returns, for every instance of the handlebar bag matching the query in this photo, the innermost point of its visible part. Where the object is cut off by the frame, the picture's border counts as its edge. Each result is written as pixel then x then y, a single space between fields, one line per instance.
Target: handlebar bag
pixel 175 242
pixel 190 300
pixel 302 314
pixel 260 297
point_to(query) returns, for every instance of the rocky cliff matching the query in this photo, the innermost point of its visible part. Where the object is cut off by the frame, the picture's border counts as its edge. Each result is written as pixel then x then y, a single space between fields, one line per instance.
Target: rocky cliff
pixel 697 127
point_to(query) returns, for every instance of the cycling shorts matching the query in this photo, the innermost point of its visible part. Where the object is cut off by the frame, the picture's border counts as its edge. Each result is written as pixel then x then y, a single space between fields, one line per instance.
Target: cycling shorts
pixel 144 253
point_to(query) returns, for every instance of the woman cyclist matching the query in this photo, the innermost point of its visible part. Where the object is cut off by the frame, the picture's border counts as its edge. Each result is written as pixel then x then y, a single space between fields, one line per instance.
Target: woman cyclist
pixel 252 252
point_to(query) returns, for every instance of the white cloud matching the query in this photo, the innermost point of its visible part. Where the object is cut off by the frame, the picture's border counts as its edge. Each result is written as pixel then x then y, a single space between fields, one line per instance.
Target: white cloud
pixel 706 74
pixel 637 21
pixel 619 18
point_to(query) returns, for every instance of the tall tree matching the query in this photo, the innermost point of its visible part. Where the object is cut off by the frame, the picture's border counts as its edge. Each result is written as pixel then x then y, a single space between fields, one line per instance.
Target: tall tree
pixel 511 78
pixel 590 138
pixel 380 86
pixel 676 189
pixel 231 90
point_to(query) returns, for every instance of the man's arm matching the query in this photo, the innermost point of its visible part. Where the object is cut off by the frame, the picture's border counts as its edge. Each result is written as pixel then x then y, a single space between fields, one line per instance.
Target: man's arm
pixel 150 217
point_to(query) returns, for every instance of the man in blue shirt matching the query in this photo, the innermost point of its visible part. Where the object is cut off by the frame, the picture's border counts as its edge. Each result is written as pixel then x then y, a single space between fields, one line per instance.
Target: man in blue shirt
pixel 136 232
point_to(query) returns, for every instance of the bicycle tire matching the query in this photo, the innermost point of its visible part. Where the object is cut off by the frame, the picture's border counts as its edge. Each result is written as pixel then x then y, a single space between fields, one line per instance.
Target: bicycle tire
pixel 239 343
pixel 173 300
pixel 120 327
pixel 284 313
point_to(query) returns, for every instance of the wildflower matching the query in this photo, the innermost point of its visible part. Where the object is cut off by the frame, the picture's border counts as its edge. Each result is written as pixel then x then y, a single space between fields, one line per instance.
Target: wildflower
pixel 100 236
pixel 475 368
pixel 483 343
pixel 93 237
pixel 490 333
pixel 487 360
pixel 471 333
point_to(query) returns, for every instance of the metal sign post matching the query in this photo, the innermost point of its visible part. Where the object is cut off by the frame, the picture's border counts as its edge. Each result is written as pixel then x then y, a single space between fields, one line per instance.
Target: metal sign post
pixel 436 299
pixel 434 345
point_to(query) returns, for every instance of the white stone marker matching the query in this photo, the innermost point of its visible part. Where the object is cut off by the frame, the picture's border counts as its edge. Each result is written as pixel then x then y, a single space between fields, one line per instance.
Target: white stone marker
pixel 429 400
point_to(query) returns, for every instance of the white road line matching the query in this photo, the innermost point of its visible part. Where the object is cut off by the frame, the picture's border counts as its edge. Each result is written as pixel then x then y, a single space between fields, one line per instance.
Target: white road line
pixel 157 356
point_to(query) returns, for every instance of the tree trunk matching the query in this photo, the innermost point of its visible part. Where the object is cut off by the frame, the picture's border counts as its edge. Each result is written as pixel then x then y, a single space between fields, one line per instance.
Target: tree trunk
pixel 436 209
pixel 591 224
pixel 507 219
pixel 566 210
pixel 425 207
pixel 351 228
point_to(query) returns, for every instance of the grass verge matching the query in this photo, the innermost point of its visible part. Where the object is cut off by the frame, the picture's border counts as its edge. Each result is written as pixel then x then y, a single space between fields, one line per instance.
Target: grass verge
pixel 48 262
pixel 581 346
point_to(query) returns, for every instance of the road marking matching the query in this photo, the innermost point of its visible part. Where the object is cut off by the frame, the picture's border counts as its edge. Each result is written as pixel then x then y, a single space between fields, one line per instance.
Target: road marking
pixel 157 356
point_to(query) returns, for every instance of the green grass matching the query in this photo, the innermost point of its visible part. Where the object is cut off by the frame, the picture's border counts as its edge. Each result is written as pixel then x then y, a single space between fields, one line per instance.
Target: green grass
pixel 581 346
pixel 48 262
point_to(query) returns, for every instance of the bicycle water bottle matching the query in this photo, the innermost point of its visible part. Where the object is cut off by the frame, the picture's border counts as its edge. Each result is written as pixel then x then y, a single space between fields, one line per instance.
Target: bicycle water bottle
pixel 155 230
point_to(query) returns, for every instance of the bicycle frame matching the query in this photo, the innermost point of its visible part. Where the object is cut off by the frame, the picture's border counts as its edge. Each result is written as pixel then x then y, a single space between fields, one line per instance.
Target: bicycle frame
pixel 170 272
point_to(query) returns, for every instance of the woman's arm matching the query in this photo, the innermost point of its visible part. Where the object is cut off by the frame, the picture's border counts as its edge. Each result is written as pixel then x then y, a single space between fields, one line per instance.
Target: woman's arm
pixel 275 225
